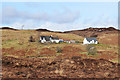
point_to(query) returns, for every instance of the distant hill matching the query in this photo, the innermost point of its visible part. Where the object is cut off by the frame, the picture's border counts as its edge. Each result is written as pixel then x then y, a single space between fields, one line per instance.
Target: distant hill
pixel 8 28
pixel 93 31
pixel 43 30
pixel 100 29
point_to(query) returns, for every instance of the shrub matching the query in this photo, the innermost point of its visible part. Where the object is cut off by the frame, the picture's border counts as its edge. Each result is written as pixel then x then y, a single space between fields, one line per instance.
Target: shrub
pixel 31 39
pixel 94 36
pixel 59 50
pixel 91 50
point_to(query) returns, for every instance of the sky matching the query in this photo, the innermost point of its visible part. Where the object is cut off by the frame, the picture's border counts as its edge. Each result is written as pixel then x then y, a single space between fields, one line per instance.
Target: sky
pixel 59 16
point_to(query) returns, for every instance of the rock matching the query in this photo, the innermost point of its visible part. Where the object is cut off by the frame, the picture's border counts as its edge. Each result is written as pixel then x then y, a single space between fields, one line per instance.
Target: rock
pixel 72 62
pixel 67 60
pixel 29 75
pixel 17 64
pixel 56 71
pixel 60 72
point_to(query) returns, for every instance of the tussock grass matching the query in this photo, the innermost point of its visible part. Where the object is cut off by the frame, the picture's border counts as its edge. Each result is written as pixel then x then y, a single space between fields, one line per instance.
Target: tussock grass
pixel 20 41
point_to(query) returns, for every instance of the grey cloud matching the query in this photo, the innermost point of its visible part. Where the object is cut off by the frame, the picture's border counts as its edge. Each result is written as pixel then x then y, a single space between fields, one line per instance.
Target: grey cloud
pixel 10 15
pixel 9 12
pixel 101 20
pixel 66 17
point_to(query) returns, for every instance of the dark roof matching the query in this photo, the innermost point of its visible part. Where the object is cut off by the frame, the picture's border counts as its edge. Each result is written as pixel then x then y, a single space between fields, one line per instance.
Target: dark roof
pixel 55 38
pixel 90 39
pixel 47 38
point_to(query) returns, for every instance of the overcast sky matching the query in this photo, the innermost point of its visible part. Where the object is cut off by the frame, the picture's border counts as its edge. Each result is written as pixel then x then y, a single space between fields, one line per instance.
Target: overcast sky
pixel 59 16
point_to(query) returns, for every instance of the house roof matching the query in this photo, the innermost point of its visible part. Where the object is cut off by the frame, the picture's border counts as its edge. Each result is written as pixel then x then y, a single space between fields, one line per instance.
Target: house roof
pixel 55 38
pixel 47 38
pixel 66 39
pixel 90 39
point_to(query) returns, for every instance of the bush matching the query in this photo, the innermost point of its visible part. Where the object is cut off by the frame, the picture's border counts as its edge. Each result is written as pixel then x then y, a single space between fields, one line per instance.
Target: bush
pixel 94 36
pixel 31 39
pixel 91 50
pixel 59 50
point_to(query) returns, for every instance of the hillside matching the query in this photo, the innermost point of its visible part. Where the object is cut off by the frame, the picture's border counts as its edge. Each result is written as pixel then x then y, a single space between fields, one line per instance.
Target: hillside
pixel 107 36
pixel 24 59
pixel 93 31
pixel 64 68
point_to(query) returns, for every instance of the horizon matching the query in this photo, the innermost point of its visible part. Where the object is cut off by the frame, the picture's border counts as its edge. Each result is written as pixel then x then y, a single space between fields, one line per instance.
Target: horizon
pixel 55 31
pixel 59 16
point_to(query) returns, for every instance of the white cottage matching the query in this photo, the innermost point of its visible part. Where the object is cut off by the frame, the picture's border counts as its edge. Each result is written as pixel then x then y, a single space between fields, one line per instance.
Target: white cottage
pixel 54 39
pixel 90 41
pixel 44 39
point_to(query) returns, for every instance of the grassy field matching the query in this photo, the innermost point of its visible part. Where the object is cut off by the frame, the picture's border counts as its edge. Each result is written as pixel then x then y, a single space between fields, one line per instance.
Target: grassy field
pixel 16 44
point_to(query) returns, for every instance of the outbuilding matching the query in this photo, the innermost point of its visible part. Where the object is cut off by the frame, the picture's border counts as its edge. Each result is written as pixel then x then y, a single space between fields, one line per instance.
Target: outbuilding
pixel 90 40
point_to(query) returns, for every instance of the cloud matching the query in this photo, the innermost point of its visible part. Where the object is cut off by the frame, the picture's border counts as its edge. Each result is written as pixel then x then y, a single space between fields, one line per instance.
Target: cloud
pixel 47 25
pixel 56 21
pixel 56 26
pixel 101 21
pixel 66 17
pixel 27 25
pixel 51 26
pixel 11 14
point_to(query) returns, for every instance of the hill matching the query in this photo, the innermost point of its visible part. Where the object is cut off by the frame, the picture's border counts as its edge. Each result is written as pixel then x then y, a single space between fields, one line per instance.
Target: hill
pixel 7 28
pixel 93 31
pixel 46 30
pixel 43 30
pixel 24 59
pixel 96 29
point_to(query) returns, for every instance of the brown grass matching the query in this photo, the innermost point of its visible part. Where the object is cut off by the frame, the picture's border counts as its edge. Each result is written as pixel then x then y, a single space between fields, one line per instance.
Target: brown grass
pixel 15 43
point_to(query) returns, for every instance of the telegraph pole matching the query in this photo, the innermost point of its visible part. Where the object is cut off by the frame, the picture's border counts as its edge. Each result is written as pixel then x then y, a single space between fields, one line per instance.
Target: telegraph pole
pixel 23 26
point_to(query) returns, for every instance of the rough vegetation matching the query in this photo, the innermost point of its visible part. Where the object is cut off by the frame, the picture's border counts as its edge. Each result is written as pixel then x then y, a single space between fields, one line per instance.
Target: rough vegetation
pixel 74 67
pixel 24 59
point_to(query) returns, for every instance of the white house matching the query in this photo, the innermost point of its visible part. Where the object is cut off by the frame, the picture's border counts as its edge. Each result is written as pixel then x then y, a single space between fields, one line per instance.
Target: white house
pixel 44 39
pixel 54 39
pixel 90 41
pixel 61 40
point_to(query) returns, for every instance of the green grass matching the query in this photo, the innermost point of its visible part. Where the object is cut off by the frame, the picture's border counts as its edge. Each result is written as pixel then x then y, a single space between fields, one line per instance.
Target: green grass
pixel 57 54
pixel 115 60
pixel 9 43
pixel 83 52
pixel 103 45
pixel 5 54
pixel 95 55
pixel 12 56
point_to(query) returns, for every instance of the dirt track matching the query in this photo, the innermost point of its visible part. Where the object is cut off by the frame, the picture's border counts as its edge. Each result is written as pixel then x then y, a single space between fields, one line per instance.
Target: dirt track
pixel 74 67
